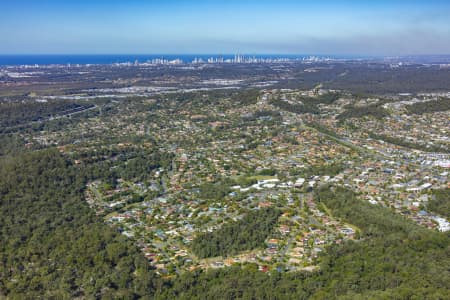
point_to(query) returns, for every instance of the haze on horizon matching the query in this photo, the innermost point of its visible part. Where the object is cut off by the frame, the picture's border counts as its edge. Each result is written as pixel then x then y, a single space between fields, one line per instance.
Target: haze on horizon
pixel 201 27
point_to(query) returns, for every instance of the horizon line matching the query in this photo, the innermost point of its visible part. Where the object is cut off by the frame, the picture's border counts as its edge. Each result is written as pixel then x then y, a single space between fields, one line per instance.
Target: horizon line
pixel 235 53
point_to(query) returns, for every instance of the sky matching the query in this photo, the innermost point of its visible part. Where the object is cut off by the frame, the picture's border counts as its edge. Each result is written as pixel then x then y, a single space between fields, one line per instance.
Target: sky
pixel 382 27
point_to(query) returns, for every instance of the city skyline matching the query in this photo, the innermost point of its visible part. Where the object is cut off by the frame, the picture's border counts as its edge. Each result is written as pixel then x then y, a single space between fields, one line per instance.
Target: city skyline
pixel 204 27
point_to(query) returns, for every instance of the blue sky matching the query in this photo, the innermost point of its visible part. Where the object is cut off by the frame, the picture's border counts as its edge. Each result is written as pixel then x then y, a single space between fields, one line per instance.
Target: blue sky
pixel 173 27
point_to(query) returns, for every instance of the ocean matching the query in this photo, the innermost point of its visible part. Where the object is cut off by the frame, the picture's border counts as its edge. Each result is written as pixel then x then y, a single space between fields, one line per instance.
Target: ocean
pixel 15 60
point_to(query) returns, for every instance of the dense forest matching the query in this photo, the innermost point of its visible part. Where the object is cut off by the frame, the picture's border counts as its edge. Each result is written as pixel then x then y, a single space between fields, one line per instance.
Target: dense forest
pixel 130 162
pixel 442 104
pixel 295 108
pixel 246 97
pixel 13 113
pixel 381 78
pixel 10 143
pixel 53 245
pixel 331 169
pixel 246 234
pixel 215 191
pixel 440 202
pixel 307 105
pixel 328 98
pixel 373 110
